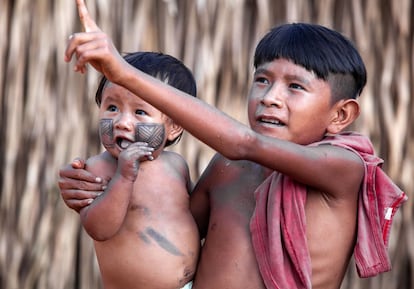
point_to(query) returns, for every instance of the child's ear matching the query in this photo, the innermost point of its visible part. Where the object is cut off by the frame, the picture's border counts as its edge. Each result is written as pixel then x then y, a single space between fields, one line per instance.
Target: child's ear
pixel 174 131
pixel 344 112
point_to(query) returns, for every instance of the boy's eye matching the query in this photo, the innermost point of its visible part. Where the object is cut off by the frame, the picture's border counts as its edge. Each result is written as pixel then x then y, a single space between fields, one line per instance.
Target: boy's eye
pixel 262 80
pixel 140 112
pixel 296 86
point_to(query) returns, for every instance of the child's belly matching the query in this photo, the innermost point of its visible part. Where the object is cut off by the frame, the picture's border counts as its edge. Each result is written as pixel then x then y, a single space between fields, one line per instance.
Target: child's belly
pixel 159 254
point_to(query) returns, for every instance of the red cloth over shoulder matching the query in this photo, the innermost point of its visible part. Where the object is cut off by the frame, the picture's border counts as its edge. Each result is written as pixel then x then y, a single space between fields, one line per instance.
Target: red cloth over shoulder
pixel 278 225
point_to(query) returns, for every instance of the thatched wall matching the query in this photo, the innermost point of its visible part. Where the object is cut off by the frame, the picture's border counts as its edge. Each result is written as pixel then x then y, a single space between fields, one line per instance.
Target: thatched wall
pixel 48 116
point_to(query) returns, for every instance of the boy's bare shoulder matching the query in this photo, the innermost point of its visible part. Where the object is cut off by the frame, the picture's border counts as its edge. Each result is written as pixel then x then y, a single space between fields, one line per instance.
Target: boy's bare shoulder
pixel 349 168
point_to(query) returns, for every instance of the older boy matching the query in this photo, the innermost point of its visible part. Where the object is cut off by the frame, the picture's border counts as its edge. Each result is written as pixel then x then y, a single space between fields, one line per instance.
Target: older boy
pixel 300 228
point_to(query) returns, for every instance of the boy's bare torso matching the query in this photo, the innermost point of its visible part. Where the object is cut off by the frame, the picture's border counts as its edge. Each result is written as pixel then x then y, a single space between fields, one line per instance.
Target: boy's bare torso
pixel 158 244
pixel 228 260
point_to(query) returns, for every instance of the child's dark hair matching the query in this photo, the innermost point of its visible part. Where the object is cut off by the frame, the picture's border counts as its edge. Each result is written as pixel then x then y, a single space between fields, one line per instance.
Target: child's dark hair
pixel 327 53
pixel 161 66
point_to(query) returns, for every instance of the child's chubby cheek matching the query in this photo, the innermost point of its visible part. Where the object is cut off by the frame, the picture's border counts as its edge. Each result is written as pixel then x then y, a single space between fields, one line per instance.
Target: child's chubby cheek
pixel 151 133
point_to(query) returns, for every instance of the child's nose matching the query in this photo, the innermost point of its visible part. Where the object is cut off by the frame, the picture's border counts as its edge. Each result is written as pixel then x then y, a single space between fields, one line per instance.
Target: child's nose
pixel 125 122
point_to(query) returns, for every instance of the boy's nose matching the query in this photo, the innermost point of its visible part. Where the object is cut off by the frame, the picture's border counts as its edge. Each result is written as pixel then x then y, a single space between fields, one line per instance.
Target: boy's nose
pixel 273 97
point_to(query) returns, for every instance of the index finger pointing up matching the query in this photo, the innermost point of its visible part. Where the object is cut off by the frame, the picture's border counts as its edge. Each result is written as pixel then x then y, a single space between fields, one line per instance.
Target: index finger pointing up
pixel 88 23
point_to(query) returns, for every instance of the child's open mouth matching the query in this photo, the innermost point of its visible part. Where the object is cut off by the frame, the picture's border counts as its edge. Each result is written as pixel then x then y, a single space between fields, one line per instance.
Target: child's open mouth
pixel 123 143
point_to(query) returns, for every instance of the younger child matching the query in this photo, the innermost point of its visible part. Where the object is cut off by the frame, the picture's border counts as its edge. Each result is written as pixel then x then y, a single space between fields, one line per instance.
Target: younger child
pixel 288 200
pixel 144 234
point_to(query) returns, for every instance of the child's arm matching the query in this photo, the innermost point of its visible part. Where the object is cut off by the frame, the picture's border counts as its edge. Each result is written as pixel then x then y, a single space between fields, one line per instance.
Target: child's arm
pixel 104 216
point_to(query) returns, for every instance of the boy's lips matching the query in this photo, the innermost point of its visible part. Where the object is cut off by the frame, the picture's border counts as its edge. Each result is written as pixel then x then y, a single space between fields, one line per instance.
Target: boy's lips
pixel 270 120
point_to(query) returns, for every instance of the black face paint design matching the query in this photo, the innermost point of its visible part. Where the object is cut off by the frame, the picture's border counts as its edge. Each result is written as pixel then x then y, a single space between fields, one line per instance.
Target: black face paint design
pixel 106 132
pixel 151 133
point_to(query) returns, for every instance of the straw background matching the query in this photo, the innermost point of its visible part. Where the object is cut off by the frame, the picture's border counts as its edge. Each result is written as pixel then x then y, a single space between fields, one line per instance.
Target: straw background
pixel 48 115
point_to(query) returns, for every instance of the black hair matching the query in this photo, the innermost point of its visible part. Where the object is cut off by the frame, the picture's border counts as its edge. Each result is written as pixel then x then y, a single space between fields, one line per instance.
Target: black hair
pixel 161 66
pixel 327 53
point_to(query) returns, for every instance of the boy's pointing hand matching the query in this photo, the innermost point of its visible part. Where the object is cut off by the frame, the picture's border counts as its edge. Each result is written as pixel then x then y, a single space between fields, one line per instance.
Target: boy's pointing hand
pixel 93 46
pixel 88 23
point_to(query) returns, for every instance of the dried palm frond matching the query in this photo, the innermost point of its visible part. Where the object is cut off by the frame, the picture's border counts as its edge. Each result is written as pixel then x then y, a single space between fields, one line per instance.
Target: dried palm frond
pixel 48 115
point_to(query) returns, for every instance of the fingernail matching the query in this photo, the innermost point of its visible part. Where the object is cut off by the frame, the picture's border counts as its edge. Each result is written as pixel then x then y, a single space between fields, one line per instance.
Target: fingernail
pixel 98 180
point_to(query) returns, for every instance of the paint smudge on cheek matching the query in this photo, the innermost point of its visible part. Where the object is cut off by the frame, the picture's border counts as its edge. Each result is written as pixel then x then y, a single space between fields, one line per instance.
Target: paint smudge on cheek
pixel 151 133
pixel 106 132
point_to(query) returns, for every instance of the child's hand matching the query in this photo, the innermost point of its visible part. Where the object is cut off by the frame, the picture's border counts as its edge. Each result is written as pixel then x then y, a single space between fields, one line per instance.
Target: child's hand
pixel 93 46
pixel 130 158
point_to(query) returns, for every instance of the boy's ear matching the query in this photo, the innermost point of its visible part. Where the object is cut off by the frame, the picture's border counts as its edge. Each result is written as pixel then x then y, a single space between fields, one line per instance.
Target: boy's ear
pixel 174 131
pixel 345 111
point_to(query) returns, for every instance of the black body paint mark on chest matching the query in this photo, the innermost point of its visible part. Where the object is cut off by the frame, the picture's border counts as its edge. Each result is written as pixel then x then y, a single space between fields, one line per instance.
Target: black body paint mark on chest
pixel 144 237
pixel 163 242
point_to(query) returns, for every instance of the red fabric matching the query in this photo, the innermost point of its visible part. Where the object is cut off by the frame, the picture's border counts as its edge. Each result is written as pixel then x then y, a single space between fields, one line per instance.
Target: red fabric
pixel 278 225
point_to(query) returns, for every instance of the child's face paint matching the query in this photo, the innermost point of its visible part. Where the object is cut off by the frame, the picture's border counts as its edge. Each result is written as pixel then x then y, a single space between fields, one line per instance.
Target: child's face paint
pixel 151 133
pixel 106 132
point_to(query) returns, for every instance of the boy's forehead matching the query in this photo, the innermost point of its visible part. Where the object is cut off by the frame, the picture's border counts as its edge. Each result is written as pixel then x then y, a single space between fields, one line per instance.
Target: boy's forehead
pixel 287 66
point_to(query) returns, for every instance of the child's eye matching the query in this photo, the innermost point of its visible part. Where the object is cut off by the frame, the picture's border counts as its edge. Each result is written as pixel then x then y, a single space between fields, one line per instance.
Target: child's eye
pixel 140 112
pixel 112 108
